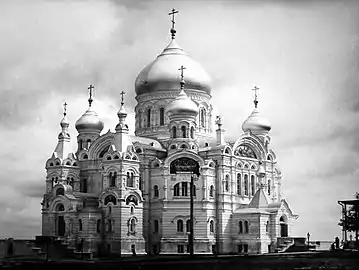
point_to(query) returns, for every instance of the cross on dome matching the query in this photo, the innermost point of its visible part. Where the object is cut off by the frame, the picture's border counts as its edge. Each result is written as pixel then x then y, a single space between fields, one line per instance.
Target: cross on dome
pixel 255 89
pixel 182 78
pixel 90 88
pixel 65 108
pixel 173 31
pixel 122 94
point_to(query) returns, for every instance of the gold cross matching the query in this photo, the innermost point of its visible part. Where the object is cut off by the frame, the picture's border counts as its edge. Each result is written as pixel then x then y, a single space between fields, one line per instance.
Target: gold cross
pixel 65 105
pixel 173 31
pixel 255 89
pixel 90 88
pixel 122 93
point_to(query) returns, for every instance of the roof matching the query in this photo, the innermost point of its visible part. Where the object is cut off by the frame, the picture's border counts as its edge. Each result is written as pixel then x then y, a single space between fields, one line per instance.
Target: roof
pixel 146 141
pixel 350 202
pixel 259 200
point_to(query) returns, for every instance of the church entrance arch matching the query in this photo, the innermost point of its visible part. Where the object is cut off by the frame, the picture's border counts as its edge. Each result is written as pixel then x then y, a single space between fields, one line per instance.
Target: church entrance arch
pixel 283 226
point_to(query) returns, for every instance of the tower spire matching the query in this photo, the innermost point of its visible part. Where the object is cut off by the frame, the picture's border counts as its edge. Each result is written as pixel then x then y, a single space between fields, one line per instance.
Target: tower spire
pixel 64 122
pixel 255 89
pixel 182 79
pixel 90 88
pixel 173 31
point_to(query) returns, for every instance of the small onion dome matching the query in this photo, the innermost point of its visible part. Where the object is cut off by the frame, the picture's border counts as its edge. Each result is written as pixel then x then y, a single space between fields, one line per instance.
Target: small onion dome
pixel 182 105
pixel 256 123
pixel 64 122
pixel 161 74
pixel 89 121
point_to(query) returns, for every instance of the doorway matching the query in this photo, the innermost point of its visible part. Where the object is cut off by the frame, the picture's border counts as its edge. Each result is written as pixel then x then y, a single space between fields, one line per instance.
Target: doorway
pixel 283 227
pixel 60 226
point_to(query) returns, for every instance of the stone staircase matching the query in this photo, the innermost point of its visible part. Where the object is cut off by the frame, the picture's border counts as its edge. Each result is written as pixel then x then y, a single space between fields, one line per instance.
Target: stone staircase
pixel 293 244
pixel 283 244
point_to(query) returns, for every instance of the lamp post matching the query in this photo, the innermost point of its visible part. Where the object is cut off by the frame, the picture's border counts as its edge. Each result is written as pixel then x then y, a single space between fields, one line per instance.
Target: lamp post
pixel 308 236
pixel 191 238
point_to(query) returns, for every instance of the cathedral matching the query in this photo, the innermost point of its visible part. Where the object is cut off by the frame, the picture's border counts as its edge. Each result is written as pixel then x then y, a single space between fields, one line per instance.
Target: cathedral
pixel 176 185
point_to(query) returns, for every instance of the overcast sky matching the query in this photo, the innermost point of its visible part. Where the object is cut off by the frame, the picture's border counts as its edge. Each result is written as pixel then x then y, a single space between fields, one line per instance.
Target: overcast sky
pixel 302 54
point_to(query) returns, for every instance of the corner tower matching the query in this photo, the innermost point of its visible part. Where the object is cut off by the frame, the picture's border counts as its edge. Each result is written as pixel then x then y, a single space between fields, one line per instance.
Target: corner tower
pixel 157 86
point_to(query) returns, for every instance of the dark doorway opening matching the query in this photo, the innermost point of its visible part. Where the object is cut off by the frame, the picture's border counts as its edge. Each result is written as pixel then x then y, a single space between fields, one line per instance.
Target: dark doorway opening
pixel 61 226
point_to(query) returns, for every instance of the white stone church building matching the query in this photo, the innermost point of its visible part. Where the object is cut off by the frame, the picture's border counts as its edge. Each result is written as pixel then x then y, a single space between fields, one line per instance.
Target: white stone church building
pixel 132 192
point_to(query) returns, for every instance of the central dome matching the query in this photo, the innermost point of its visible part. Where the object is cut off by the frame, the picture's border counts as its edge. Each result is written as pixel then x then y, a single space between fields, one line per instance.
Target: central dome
pixel 162 74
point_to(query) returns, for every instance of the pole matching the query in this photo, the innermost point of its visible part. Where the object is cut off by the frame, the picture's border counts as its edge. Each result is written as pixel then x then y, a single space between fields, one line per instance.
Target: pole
pixel 191 239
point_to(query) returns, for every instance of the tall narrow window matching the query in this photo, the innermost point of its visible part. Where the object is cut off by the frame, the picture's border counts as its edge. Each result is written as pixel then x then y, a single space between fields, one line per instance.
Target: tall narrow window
pixel 155 191
pixel 239 183
pixel 148 117
pixel 240 225
pixel 226 183
pixel 192 132
pixel 72 183
pixel 180 226
pixel 88 143
pixel 130 179
pixel 194 191
pixel 246 227
pixel 84 185
pixel 156 226
pixel 183 128
pixel 80 144
pixel 174 132
pixel 202 118
pixel 184 189
pixel 98 225
pixel 253 185
pixel 211 191
pixel 80 225
pixel 176 190
pixel 269 187
pixel 140 184
pixel 113 177
pixel 133 225
pixel 211 226
pixel 246 184
pixel 162 116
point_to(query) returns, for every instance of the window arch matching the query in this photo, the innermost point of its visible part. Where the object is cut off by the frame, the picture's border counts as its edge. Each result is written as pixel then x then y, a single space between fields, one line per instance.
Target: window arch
pixel 240 227
pixel 211 226
pixel 110 199
pixel 192 132
pixel 155 191
pixel 162 116
pixel 174 132
pixel 211 191
pixel 148 117
pixel 246 227
pixel 60 191
pixel 183 129
pixel 180 225
pixel 68 163
pixel 60 207
pixel 85 156
pixel 239 183
pixel 246 184
pixel 253 185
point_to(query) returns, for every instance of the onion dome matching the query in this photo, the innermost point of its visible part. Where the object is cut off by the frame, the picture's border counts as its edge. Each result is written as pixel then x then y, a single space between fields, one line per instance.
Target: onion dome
pixel 161 74
pixel 256 123
pixel 182 105
pixel 89 121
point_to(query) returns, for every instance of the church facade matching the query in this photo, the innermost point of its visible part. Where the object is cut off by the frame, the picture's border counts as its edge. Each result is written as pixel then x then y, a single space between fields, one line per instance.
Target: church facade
pixel 133 192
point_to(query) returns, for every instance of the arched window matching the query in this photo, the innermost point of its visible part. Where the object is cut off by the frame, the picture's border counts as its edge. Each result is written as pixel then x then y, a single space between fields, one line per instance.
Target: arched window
pixel 98 226
pixel 180 225
pixel 240 225
pixel 176 190
pixel 253 185
pixel 192 132
pixel 156 226
pixel 110 199
pixel 246 184
pixel 183 128
pixel 269 187
pixel 56 179
pixel 85 156
pixel 148 117
pixel 88 143
pixel 72 182
pixel 202 118
pixel 113 179
pixel 162 116
pixel 226 183
pixel 239 183
pixel 184 189
pixel 246 227
pixel 130 179
pixel 155 191
pixel 174 132
pixel 211 226
pixel 132 225
pixel 60 207
pixel 211 191
pixel 267 226
pixel 80 225
pixel 188 226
